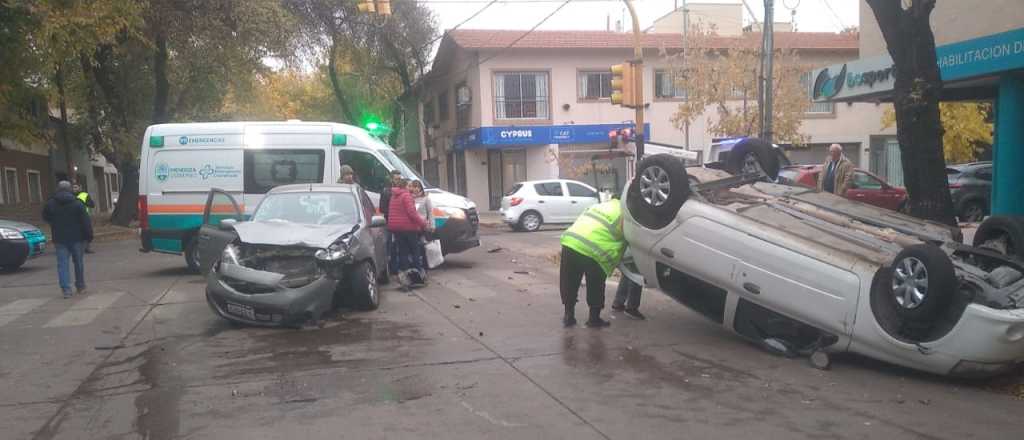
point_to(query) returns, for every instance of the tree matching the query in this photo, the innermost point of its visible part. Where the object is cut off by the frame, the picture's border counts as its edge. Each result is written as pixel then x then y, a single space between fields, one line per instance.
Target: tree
pixel 908 35
pixel 965 129
pixel 721 73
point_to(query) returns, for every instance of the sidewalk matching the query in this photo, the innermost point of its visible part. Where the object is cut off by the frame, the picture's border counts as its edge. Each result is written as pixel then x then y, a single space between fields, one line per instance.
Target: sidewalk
pixel 490 219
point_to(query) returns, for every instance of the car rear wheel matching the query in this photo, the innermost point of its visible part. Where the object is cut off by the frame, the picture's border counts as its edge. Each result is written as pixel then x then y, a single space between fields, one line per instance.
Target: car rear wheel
pixel 973 211
pixel 191 253
pixel 660 188
pixel 753 155
pixel 363 286
pixel 1003 234
pixel 530 221
pixel 915 292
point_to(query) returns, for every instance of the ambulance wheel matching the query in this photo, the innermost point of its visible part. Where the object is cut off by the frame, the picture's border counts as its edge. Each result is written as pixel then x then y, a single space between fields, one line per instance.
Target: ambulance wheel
pixel 191 253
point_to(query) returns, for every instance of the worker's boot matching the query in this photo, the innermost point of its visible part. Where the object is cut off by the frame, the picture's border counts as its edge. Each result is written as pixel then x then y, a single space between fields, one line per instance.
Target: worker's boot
pixel 569 319
pixel 595 320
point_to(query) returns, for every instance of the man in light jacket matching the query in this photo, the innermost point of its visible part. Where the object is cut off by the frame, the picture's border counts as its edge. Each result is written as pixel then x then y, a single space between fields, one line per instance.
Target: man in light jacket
pixel 836 172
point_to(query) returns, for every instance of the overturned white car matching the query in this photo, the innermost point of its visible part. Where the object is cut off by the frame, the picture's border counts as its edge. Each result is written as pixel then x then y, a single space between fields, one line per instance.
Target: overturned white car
pixel 805 272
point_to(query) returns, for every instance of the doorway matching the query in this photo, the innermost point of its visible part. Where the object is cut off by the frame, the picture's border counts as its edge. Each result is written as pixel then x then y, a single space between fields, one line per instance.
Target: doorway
pixel 504 168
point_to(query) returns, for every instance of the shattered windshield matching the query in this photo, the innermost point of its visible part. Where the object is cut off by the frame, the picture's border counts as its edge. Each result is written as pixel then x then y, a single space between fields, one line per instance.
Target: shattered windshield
pixel 309 208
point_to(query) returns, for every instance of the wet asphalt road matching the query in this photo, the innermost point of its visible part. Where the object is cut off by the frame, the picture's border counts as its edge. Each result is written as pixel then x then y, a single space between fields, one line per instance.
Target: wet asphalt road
pixel 477 354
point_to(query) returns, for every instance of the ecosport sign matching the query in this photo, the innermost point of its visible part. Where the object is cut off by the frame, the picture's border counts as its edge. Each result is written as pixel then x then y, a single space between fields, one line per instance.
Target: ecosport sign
pixel 982 56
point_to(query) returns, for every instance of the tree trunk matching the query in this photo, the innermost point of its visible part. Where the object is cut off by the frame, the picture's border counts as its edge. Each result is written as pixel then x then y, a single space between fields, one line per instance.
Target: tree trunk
pixel 911 44
pixel 332 72
pixel 91 103
pixel 161 85
pixel 125 210
pixel 62 127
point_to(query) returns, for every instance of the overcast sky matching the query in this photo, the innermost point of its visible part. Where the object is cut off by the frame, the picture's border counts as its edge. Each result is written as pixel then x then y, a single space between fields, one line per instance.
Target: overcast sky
pixel 811 15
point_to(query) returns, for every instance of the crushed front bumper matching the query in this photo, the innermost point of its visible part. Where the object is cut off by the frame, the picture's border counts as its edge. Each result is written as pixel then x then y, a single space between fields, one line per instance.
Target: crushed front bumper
pixel 459 234
pixel 255 297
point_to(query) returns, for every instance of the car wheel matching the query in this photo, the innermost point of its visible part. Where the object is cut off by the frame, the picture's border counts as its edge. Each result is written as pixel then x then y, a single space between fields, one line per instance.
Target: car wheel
pixel 753 155
pixel 904 208
pixel 973 211
pixel 191 253
pixel 921 284
pixel 1002 233
pixel 363 286
pixel 530 221
pixel 660 188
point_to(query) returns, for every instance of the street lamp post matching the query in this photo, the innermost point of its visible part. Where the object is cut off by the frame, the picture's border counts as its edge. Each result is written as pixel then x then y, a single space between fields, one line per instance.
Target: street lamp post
pixel 638 82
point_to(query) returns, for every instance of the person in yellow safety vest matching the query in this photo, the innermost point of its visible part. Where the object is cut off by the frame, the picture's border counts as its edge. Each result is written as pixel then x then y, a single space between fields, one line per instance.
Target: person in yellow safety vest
pixel 592 246
pixel 83 197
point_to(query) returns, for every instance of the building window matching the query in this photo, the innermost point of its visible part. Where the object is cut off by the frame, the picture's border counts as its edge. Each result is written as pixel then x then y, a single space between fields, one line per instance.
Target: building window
pixel 521 95
pixel 428 113
pixel 35 186
pixel 463 103
pixel 595 85
pixel 816 108
pixel 11 194
pixel 665 86
pixel 442 106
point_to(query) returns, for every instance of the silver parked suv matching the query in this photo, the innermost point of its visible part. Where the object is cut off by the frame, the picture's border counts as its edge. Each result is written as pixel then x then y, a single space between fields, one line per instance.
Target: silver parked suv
pixel 805 272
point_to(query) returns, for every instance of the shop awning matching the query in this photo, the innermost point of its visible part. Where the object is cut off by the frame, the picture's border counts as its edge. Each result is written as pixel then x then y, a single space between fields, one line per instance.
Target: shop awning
pixel 517 136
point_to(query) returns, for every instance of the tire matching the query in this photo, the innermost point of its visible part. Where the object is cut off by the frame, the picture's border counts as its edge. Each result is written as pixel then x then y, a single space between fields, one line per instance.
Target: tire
pixel 904 208
pixel 753 155
pixel 660 188
pixel 530 221
pixel 921 285
pixel 972 211
pixel 363 289
pixel 1003 233
pixel 191 254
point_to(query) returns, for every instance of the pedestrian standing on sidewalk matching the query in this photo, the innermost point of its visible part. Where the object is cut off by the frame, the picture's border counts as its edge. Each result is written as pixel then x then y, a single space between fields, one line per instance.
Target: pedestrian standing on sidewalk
pixel 425 209
pixel 71 229
pixel 836 173
pixel 384 204
pixel 405 225
pixel 591 247
pixel 86 200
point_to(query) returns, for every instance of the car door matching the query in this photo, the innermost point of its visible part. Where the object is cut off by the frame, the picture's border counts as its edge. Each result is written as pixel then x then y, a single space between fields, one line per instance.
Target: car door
pixel 379 240
pixel 869 189
pixel 551 201
pixel 213 236
pixel 581 197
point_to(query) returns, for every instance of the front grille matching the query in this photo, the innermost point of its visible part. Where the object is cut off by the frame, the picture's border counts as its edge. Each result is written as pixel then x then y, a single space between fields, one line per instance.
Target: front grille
pixel 474 218
pixel 247 288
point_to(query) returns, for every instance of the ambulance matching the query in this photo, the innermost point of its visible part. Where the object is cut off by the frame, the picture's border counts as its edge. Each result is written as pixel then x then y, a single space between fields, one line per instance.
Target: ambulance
pixel 180 163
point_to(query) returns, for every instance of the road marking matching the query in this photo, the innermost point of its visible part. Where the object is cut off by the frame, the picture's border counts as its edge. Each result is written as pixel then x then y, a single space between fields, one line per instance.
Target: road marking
pixel 16 309
pixel 85 311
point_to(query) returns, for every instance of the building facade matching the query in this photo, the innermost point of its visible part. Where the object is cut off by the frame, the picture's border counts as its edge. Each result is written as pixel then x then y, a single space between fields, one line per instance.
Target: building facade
pixel 494 113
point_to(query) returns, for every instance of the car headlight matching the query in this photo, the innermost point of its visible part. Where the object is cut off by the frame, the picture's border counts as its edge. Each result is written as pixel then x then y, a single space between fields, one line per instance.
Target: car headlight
pixel 10 234
pixel 456 213
pixel 337 251
pixel 230 254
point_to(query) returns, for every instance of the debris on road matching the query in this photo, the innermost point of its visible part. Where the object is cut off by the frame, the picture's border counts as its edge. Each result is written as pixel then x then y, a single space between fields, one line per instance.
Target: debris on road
pixel 494 250
pixel 457 306
pixel 521 272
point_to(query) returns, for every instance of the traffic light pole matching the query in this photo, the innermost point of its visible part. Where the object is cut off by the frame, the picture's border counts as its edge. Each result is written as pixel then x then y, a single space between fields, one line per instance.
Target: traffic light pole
pixel 638 82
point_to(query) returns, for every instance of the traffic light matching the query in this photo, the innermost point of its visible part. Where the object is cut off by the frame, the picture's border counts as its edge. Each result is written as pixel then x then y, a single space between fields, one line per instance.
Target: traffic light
pixel 381 7
pixel 623 84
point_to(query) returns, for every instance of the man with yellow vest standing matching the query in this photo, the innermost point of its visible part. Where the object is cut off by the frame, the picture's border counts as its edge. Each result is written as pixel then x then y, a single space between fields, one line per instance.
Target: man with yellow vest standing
pixel 592 246
pixel 83 197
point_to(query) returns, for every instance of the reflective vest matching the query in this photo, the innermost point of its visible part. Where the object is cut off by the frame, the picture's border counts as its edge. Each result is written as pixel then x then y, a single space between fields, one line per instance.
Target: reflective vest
pixel 84 197
pixel 597 234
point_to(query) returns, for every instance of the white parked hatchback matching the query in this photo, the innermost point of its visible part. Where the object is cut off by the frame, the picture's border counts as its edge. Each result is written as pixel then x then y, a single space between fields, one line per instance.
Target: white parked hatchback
pixel 528 205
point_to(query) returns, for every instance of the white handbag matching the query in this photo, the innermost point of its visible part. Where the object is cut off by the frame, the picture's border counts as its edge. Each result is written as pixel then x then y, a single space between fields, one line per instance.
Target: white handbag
pixel 434 256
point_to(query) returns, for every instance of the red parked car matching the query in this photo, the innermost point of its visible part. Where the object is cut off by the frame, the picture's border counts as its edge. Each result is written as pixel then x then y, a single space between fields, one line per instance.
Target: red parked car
pixel 865 187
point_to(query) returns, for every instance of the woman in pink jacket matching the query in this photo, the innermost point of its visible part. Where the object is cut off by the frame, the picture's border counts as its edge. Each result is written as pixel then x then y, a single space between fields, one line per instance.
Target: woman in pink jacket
pixel 406 225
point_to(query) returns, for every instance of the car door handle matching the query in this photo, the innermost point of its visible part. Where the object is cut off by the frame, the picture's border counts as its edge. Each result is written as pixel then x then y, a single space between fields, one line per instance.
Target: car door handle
pixel 752 288
pixel 540 201
pixel 668 252
pixel 204 236
pixel 573 202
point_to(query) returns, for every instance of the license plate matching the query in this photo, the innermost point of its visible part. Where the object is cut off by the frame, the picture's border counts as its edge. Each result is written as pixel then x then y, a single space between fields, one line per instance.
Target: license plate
pixel 242 310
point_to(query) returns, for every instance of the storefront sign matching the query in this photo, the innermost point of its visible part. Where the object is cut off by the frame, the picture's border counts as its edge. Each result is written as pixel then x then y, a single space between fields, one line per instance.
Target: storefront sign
pixel 966 59
pixel 511 137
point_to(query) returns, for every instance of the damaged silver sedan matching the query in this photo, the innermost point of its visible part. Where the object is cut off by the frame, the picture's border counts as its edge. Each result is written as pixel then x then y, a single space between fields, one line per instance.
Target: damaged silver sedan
pixel 802 272
pixel 306 250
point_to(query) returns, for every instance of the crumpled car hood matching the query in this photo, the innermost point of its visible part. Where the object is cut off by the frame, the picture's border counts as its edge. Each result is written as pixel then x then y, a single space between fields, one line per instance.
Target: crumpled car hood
pixel 282 233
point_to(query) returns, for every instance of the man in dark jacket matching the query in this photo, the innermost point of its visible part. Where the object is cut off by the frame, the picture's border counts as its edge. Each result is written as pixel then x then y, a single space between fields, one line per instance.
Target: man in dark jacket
pixel 72 229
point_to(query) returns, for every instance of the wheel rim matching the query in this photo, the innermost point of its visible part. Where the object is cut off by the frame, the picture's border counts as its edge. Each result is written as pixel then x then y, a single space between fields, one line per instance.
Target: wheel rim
pixel 371 284
pixel 973 213
pixel 531 222
pixel 655 186
pixel 910 282
pixel 751 165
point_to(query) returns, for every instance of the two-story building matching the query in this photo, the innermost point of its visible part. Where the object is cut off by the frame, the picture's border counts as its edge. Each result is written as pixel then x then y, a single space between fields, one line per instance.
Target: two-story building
pixel 502 106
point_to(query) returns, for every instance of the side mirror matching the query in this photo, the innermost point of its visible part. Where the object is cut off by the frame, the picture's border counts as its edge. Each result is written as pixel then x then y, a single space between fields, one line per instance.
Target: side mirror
pixel 378 221
pixel 228 224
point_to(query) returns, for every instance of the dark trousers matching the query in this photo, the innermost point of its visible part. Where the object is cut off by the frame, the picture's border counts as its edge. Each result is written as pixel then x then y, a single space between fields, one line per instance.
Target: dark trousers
pixel 72 252
pixel 628 294
pixel 407 247
pixel 570 275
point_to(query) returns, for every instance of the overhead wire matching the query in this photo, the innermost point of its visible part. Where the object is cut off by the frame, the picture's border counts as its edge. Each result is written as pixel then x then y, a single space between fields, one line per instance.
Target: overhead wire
pixel 835 15
pixel 520 38
pixel 447 31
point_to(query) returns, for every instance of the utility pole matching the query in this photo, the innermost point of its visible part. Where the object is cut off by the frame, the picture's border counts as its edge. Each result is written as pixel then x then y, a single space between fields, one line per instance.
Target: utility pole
pixel 638 85
pixel 767 53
